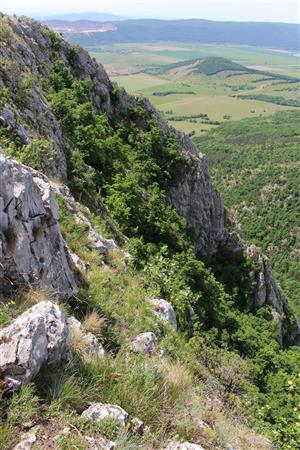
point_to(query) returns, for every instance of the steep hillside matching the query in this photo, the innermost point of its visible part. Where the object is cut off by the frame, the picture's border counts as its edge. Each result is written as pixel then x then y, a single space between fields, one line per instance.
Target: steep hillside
pixel 270 35
pixel 256 167
pixel 171 332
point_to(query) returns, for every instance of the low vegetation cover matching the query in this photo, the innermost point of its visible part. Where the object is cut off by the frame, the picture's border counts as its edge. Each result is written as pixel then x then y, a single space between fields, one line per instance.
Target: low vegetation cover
pixel 225 364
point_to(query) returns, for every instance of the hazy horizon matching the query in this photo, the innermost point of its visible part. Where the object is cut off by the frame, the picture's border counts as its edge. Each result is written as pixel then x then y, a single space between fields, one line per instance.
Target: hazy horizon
pixel 220 10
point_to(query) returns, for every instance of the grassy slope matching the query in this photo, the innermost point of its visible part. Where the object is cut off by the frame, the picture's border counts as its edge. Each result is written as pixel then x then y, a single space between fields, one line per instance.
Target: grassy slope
pixel 256 165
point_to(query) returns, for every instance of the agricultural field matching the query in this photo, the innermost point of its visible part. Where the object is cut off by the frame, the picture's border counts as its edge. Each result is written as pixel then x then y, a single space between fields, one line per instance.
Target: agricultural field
pixel 197 87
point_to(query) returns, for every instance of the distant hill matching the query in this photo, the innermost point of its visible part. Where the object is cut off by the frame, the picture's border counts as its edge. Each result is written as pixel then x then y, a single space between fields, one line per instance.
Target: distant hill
pixel 208 66
pixel 269 35
pixel 213 65
pixel 94 16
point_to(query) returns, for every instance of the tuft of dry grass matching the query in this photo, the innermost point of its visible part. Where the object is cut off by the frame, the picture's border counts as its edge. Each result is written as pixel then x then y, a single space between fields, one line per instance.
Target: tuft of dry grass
pixel 34 296
pixel 93 323
pixel 177 376
pixel 79 343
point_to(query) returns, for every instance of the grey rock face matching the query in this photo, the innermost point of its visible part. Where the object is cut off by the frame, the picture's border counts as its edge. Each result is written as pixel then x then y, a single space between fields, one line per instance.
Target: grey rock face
pixel 197 201
pixel 98 411
pixel 183 446
pixel 37 337
pixel 267 291
pixel 144 342
pixel 28 55
pixel 93 346
pixel 165 311
pixel 32 250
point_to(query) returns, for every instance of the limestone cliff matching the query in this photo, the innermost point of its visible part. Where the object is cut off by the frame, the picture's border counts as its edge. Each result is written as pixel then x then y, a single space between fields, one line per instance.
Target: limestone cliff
pixel 30 51
pixel 31 245
pixel 32 250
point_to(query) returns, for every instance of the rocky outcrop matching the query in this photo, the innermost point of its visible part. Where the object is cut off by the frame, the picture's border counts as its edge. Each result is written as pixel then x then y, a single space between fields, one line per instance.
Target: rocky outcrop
pixel 267 291
pixel 99 411
pixel 197 201
pixel 32 250
pixel 164 311
pixel 27 56
pixel 37 337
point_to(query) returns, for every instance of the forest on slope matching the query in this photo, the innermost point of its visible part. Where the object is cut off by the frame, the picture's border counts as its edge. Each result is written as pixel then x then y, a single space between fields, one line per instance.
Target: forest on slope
pixel 256 166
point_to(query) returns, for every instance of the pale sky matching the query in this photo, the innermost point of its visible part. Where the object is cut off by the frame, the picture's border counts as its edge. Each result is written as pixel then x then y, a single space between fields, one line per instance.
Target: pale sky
pixel 236 10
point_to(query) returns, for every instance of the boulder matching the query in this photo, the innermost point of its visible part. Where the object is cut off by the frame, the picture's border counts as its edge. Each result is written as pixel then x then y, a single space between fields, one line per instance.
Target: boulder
pixel 26 443
pixel 138 426
pixel 32 249
pixel 37 337
pixel 183 446
pixel 144 342
pixel 99 411
pixel 90 342
pixel 165 311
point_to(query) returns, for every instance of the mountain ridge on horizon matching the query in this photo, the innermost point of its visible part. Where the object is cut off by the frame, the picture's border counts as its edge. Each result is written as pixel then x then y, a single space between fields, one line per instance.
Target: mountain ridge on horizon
pixel 106 16
pixel 261 34
pixel 93 16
